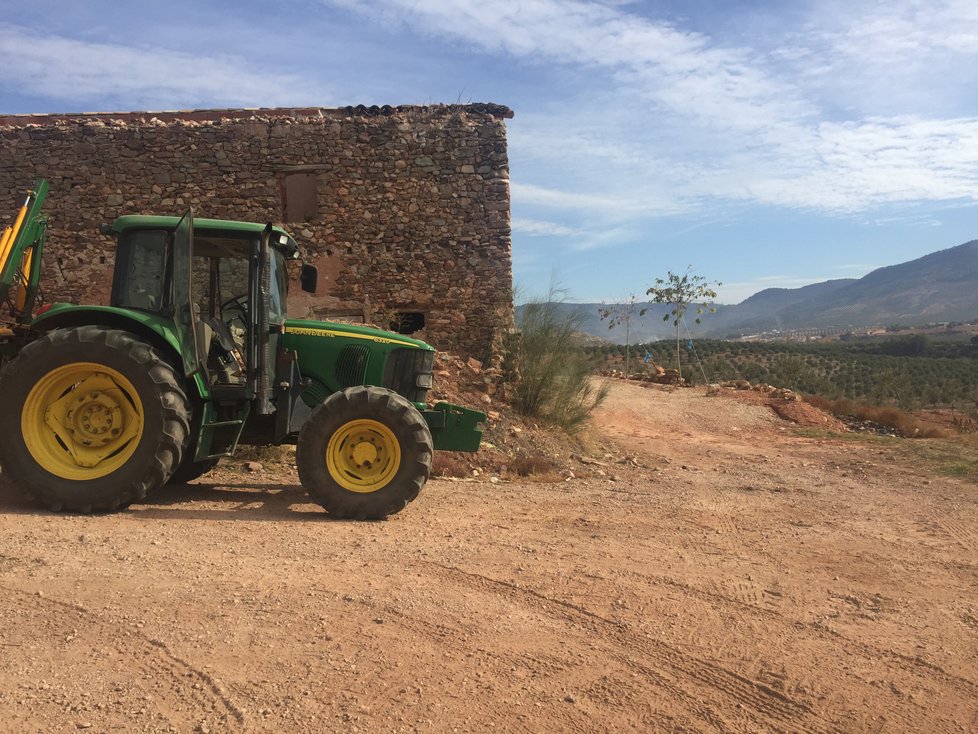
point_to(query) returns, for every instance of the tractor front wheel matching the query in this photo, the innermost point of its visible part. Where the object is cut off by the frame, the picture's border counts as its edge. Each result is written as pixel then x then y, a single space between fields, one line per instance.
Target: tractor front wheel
pixel 364 453
pixel 95 419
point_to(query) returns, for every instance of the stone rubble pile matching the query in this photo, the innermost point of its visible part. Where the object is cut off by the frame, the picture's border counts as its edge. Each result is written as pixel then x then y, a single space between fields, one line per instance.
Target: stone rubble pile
pixel 779 393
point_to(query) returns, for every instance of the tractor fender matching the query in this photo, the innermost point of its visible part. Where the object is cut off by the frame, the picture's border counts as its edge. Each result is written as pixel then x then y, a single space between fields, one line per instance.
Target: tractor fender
pixel 152 328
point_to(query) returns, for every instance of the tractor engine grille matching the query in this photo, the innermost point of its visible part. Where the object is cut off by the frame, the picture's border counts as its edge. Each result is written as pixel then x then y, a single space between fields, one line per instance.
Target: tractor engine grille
pixel 408 372
pixel 351 366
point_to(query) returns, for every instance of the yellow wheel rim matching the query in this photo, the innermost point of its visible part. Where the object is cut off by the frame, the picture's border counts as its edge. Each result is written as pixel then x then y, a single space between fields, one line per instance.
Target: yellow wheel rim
pixel 363 455
pixel 82 421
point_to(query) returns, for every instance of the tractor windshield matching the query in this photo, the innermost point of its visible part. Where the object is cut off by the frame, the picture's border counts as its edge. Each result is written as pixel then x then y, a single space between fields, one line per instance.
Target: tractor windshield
pixel 280 284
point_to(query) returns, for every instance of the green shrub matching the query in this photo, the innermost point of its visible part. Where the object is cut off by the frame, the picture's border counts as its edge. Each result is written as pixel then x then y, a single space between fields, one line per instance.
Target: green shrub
pixel 555 382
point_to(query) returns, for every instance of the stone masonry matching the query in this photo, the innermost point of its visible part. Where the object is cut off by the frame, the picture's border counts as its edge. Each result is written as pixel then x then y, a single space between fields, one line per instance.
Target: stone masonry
pixel 404 210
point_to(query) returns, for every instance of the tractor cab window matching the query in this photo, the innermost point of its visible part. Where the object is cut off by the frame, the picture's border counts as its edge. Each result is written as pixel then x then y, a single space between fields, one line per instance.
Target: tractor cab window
pixel 140 279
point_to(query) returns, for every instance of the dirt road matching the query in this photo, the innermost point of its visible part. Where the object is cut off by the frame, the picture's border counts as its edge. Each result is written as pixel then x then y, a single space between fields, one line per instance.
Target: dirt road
pixel 744 579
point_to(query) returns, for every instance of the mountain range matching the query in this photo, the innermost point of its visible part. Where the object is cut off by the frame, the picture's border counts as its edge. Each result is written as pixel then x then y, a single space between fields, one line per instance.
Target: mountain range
pixel 941 286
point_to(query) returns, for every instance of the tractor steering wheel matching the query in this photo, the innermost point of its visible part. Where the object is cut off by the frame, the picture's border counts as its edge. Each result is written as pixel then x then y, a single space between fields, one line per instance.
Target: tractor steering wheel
pixel 236 309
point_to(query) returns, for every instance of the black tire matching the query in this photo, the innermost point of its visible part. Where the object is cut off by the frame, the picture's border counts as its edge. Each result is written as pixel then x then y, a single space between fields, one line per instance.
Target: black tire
pixel 190 470
pixel 158 447
pixel 335 416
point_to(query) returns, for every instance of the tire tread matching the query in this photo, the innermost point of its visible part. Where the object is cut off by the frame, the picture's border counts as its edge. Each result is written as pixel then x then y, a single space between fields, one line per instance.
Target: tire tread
pixel 172 400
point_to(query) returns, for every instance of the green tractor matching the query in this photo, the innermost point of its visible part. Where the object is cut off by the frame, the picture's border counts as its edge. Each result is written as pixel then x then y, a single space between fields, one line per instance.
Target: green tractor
pixel 194 356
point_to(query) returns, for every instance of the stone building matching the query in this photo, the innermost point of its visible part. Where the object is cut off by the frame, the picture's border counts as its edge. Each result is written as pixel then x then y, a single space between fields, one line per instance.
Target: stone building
pixel 404 210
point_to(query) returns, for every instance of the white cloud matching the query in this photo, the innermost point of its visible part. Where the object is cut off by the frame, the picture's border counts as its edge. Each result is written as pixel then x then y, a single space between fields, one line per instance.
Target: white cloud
pixel 535 227
pixel 888 58
pixel 148 76
pixel 904 30
pixel 630 202
pixel 849 167
pixel 685 72
pixel 759 121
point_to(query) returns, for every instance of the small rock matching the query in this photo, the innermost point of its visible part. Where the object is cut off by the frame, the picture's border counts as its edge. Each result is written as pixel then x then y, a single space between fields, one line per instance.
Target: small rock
pixel 254 466
pixel 569 699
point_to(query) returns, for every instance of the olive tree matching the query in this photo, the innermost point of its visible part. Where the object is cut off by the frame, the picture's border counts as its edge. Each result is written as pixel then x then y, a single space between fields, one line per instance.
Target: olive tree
pixel 618 314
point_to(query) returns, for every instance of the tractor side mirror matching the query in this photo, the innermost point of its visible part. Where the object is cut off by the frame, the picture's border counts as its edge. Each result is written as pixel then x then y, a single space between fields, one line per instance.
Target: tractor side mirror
pixel 308 278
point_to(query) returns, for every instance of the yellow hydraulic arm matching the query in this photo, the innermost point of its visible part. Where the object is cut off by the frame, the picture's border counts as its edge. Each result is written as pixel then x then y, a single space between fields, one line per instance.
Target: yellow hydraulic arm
pixel 21 246
pixel 10 234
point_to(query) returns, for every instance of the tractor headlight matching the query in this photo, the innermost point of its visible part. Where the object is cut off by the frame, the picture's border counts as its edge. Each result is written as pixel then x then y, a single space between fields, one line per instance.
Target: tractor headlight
pixel 424 380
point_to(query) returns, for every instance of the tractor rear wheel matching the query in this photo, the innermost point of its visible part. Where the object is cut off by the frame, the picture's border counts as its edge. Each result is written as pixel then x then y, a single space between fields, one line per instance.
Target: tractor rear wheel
pixel 364 453
pixel 96 419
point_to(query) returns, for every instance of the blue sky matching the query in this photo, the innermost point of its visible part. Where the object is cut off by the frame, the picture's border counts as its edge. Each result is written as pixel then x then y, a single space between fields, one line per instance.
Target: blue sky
pixel 764 143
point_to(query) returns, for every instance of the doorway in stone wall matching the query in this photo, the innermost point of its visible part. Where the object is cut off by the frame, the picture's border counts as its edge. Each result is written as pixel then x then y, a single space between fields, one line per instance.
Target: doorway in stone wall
pixel 300 196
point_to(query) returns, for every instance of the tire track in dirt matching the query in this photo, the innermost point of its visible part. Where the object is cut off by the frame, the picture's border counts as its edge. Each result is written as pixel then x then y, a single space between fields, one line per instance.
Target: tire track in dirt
pixel 607 689
pixel 914 665
pixel 673 670
pixel 964 534
pixel 767 602
pixel 176 684
pixel 971 620
pixel 744 590
pixel 452 637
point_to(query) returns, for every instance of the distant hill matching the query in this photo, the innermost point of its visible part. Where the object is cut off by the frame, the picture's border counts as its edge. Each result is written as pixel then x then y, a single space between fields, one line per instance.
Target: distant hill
pixel 941 286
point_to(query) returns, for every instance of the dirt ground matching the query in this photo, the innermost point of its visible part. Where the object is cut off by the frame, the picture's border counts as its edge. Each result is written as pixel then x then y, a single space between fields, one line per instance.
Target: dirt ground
pixel 744 578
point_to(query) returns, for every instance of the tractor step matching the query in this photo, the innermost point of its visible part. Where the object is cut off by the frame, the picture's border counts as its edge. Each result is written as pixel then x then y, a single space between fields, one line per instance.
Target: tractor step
pixel 219 438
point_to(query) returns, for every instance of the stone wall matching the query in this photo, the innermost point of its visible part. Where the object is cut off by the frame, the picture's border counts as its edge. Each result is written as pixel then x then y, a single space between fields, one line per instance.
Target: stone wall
pixel 404 210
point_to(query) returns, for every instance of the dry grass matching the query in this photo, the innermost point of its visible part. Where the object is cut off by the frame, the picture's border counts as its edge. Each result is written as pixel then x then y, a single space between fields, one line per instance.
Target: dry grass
pixel 269 454
pixel 905 424
pixel 448 464
pixel 532 467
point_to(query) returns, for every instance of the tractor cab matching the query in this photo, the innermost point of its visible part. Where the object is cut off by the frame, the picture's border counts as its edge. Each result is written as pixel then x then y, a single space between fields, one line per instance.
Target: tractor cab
pixel 220 282
pixel 222 286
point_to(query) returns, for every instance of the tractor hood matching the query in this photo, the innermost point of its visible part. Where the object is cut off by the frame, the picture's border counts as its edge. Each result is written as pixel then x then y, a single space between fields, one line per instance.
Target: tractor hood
pixel 336 356
pixel 327 329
